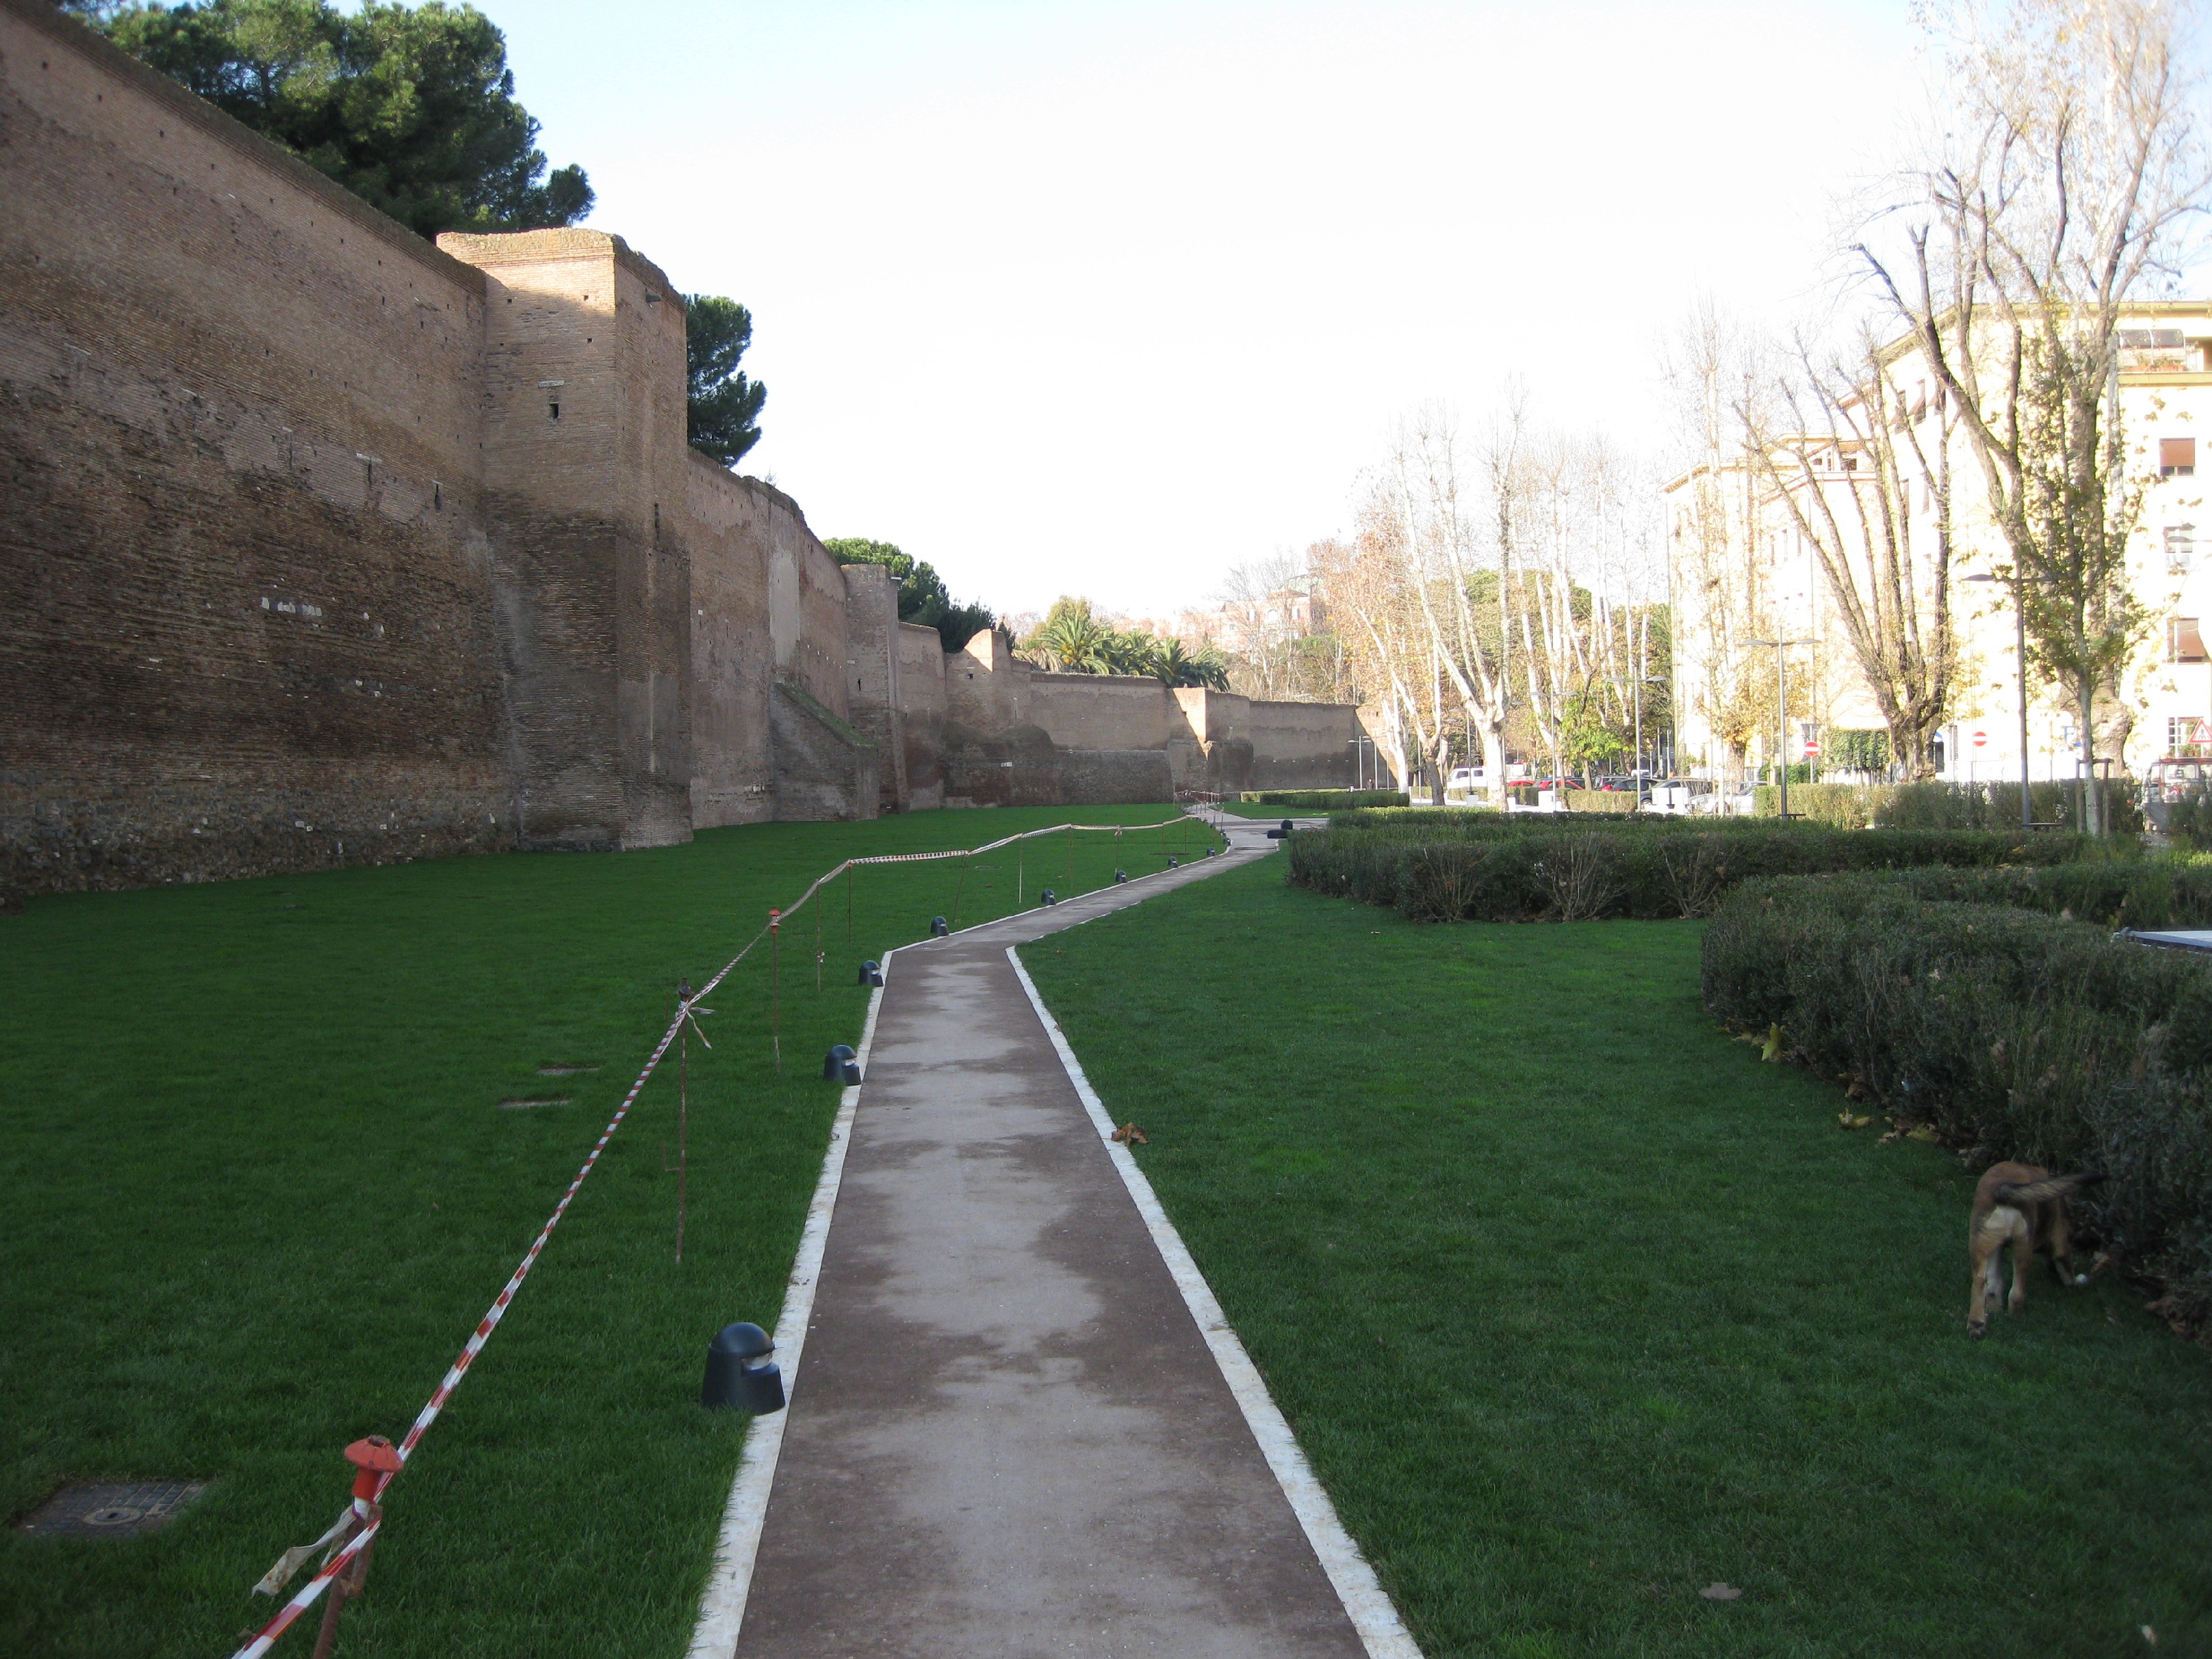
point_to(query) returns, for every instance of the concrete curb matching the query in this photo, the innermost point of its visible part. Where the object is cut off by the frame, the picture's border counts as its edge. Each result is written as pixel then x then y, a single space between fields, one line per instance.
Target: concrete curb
pixel 1368 1607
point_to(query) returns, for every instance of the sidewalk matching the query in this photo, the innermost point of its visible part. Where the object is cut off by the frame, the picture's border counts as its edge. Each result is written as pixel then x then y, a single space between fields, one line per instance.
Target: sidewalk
pixel 1008 1436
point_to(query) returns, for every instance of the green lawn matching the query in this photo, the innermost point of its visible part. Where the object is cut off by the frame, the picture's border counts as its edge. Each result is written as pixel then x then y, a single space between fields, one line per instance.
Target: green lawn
pixel 1579 1308
pixel 259 1186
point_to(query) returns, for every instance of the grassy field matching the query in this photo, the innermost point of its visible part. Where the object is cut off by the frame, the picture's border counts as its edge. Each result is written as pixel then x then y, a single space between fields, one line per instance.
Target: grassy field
pixel 259 1185
pixel 1578 1308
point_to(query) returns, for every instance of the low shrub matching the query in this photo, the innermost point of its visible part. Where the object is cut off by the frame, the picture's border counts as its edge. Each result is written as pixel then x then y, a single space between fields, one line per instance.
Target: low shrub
pixel 2146 893
pixel 1528 869
pixel 1605 800
pixel 2012 1031
pixel 1332 799
pixel 1942 806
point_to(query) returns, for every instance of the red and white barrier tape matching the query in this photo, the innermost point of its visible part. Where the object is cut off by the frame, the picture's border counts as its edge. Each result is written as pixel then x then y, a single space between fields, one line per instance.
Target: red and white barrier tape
pixel 314 1589
pixel 307 1595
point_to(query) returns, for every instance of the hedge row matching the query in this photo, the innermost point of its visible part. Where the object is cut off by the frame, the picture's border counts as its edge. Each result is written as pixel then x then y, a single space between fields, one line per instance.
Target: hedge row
pixel 1475 821
pixel 2146 893
pixel 1337 799
pixel 1943 806
pixel 2016 1032
pixel 1512 870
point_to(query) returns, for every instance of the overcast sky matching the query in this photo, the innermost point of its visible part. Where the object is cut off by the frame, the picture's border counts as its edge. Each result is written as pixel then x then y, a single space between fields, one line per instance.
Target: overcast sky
pixel 1107 297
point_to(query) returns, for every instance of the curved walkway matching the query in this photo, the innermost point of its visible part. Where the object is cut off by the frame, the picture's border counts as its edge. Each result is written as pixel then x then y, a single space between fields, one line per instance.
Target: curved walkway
pixel 1009 1436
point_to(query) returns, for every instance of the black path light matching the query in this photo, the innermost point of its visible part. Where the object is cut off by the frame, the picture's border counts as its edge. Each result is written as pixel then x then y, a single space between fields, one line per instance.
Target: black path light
pixel 937 928
pixel 1120 876
pixel 741 1376
pixel 1173 862
pixel 1050 897
pixel 840 1065
pixel 871 973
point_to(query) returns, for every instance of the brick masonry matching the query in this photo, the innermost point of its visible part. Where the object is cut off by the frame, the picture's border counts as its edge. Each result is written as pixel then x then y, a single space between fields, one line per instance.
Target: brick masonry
pixel 321 545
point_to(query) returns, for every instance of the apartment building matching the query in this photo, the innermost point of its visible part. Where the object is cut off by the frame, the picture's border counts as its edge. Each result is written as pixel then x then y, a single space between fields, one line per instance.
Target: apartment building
pixel 1742 574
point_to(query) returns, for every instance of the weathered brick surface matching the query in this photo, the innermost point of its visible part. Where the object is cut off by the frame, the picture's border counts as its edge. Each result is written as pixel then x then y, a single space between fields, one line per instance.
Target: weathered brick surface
pixel 242 559
pixel 589 478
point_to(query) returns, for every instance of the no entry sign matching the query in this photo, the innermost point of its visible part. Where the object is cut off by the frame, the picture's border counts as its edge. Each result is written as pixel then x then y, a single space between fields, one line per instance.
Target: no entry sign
pixel 1981 740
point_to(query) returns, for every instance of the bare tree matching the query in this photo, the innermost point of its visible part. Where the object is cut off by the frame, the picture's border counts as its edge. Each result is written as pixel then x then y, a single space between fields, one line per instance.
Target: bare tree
pixel 1844 468
pixel 2076 169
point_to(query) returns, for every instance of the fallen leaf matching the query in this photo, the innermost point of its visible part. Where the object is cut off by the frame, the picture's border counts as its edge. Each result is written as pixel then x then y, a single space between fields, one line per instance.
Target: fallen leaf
pixel 1922 1132
pixel 1129 1135
pixel 1721 1593
pixel 1773 1050
pixel 1851 1122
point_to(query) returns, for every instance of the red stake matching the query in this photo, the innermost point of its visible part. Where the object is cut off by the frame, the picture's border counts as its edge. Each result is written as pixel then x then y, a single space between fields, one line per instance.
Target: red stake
pixel 374 1459
pixel 682 1104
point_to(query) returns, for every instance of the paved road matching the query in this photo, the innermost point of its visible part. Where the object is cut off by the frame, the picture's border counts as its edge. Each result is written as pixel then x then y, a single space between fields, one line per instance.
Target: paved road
pixel 1009 1438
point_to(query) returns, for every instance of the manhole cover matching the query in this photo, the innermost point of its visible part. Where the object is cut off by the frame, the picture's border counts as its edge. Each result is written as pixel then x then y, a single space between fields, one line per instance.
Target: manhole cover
pixel 110 1508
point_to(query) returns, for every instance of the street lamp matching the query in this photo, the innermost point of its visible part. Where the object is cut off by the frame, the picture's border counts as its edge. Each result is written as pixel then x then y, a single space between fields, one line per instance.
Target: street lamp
pixel 2020 652
pixel 1781 709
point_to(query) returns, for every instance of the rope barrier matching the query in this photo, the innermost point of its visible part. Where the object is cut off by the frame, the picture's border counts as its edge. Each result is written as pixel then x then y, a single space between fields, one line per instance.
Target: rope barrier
pixel 362 1511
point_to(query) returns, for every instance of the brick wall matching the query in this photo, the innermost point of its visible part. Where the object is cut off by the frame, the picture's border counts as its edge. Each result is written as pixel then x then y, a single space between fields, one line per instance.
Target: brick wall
pixel 243 557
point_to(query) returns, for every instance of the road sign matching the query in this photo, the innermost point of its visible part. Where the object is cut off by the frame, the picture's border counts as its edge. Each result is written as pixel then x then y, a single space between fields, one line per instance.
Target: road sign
pixel 1981 740
pixel 2203 734
pixel 1812 748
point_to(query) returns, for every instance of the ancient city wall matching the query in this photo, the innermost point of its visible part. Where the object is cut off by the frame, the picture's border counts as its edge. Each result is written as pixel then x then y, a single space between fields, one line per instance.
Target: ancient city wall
pixel 243 558
pixel 1301 746
pixel 586 480
pixel 322 545
pixel 923 664
pixel 1101 711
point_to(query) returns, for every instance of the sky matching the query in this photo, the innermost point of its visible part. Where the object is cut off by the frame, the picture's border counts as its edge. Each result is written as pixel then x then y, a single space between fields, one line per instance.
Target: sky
pixel 1106 298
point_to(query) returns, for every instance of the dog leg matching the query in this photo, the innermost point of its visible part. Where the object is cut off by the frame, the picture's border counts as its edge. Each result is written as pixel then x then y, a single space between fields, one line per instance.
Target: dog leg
pixel 1983 1247
pixel 2023 1259
pixel 2061 1251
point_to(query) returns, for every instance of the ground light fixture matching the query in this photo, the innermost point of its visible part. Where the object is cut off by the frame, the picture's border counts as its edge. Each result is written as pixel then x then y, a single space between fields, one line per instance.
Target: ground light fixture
pixel 871 973
pixel 1173 862
pixel 840 1065
pixel 741 1376
pixel 1051 898
pixel 1120 876
pixel 937 928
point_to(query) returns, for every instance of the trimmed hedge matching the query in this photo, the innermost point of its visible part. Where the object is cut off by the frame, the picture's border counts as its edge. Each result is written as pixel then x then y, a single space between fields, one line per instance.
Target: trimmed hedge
pixel 2148 893
pixel 1941 805
pixel 1523 869
pixel 2013 1032
pixel 1337 799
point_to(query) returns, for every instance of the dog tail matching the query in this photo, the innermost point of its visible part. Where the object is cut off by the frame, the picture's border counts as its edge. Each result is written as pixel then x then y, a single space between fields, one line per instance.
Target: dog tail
pixel 2038 1192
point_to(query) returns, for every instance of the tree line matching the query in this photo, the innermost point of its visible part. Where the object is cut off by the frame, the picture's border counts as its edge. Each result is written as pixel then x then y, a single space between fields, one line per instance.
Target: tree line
pixel 1499 599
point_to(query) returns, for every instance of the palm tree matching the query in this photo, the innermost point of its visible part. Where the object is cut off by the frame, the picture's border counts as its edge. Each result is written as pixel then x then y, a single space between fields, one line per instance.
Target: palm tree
pixel 1173 665
pixel 1072 642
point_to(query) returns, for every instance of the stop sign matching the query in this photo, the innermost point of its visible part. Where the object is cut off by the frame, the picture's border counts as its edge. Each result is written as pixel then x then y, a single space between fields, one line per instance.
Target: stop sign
pixel 1981 739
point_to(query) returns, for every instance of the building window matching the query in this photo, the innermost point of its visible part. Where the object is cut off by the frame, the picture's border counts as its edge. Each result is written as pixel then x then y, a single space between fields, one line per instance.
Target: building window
pixel 2184 643
pixel 2177 458
pixel 2187 737
pixel 2180 546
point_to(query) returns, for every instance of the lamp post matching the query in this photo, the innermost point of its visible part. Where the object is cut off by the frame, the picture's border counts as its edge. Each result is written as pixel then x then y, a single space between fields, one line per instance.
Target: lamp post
pixel 2020 655
pixel 1782 710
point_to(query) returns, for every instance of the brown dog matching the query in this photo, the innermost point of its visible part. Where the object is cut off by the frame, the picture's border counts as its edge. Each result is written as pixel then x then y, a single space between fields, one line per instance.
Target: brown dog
pixel 2025 1206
